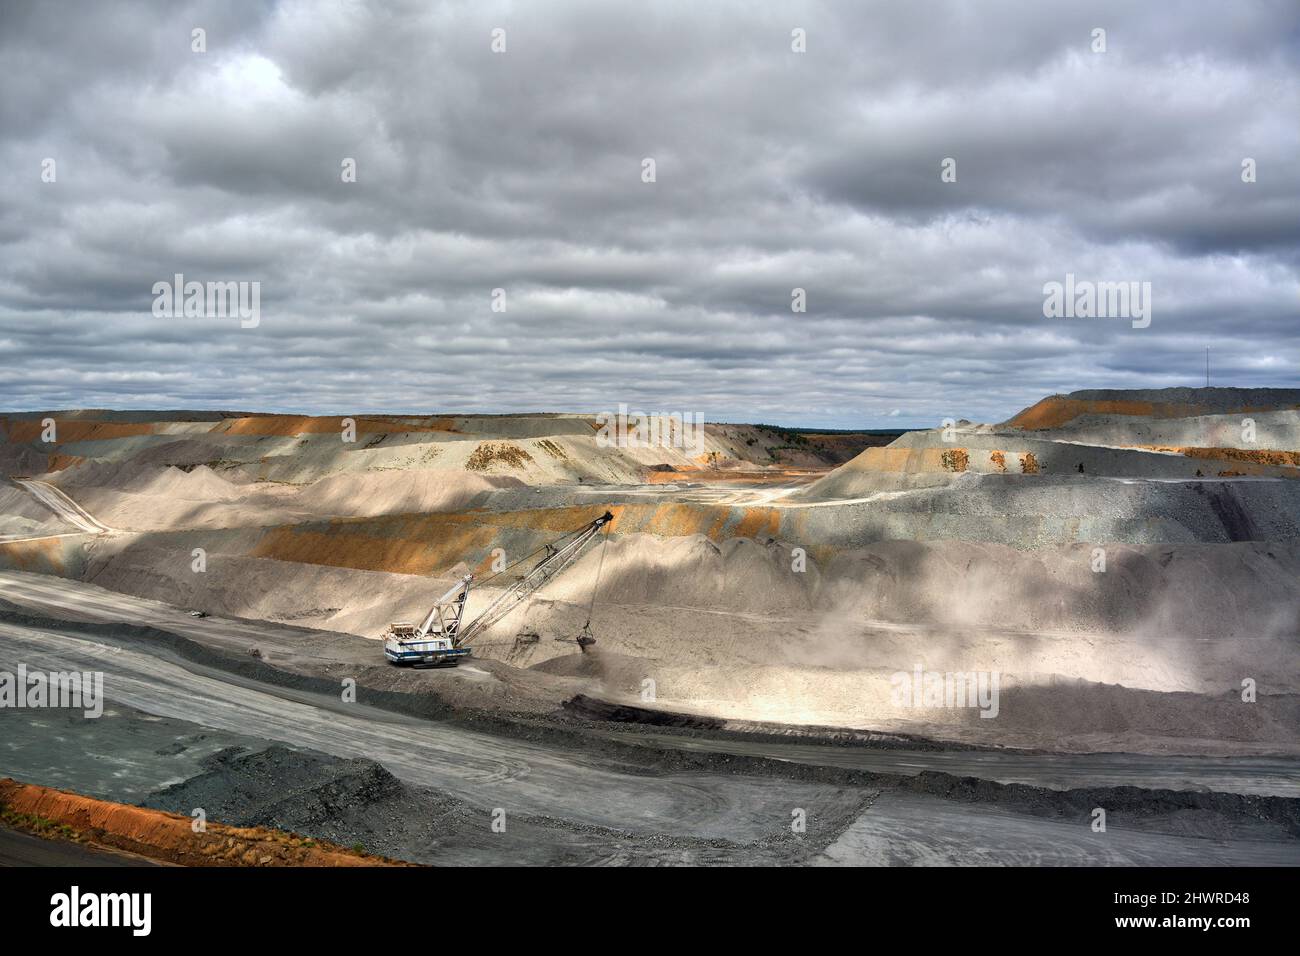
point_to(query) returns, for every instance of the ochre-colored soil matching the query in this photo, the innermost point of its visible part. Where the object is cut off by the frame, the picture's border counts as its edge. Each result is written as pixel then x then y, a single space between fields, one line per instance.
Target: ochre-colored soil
pixel 41 555
pixel 434 543
pixel 283 426
pixel 289 425
pixel 907 460
pixel 489 453
pixel 1261 456
pixel 1055 411
pixel 167 837
pixel 74 429
pixel 955 459
pixel 60 462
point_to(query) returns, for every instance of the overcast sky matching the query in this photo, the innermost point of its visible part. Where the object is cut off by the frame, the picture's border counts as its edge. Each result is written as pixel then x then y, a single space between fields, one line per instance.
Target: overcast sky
pixel 522 170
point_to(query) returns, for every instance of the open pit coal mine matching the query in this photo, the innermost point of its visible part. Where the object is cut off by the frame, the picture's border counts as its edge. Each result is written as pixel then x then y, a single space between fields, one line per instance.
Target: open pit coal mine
pixel 938 647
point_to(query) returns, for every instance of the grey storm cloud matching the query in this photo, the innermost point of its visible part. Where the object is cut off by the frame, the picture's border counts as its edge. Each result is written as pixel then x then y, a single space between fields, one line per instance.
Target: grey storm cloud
pixel 521 170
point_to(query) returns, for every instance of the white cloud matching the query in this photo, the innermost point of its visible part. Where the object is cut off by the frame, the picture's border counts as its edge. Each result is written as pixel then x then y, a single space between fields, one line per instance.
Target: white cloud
pixel 522 171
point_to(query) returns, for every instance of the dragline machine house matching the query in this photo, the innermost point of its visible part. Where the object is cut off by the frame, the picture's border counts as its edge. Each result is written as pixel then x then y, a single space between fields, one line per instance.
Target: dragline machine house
pixel 442 637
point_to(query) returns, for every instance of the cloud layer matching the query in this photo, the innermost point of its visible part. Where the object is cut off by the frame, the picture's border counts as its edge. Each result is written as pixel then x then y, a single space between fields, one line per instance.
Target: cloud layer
pixel 522 171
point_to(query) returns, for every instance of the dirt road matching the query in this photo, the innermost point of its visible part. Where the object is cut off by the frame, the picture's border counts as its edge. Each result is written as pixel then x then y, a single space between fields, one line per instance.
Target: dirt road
pixel 1279 776
pixel 62 505
pixel 23 849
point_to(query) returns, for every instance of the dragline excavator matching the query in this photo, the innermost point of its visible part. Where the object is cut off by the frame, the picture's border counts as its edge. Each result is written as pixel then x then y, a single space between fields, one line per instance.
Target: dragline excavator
pixel 442 638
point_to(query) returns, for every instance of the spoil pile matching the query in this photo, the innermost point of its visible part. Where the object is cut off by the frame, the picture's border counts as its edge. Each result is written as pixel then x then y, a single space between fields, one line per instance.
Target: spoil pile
pixel 21 515
pixel 169 837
